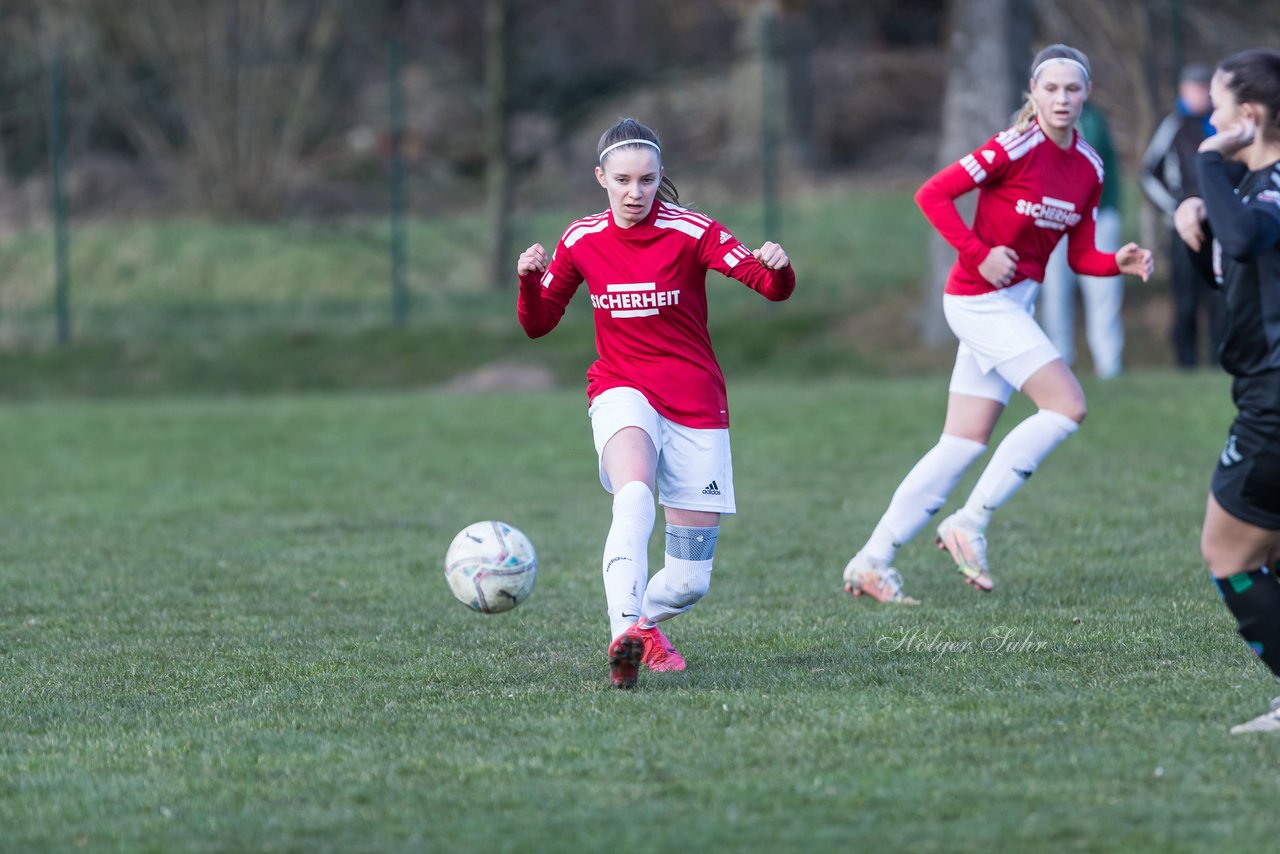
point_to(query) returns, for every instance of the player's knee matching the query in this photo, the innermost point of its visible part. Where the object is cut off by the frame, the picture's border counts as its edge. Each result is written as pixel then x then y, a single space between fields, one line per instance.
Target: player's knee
pixel 1217 559
pixel 700 583
pixel 693 550
pixel 1069 413
pixel 1076 410
pixel 633 504
pixel 694 585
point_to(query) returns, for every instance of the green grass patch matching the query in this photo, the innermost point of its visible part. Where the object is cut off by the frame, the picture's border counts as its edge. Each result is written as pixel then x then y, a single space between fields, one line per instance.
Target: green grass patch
pixel 193 305
pixel 197 305
pixel 163 268
pixel 225 626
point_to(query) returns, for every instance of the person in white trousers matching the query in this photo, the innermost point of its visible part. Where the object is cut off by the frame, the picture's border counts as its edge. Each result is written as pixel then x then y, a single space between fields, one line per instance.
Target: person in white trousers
pixel 1103 297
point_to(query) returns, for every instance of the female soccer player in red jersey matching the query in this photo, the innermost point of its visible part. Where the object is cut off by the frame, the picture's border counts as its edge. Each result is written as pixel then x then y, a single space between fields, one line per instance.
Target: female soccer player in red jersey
pixel 658 408
pixel 1233 229
pixel 1037 183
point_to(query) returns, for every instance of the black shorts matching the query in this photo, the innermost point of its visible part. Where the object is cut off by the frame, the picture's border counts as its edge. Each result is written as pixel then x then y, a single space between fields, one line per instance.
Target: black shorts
pixel 1247 480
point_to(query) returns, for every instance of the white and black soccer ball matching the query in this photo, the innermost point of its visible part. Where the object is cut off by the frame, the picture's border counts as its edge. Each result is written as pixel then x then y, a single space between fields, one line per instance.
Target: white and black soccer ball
pixel 491 567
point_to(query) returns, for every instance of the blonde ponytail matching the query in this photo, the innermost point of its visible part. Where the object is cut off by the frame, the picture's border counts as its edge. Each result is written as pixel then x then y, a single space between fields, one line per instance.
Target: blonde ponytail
pixel 1026 116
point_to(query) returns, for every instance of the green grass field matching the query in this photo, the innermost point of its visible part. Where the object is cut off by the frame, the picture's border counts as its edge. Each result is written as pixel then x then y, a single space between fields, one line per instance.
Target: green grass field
pixel 189 305
pixel 225 627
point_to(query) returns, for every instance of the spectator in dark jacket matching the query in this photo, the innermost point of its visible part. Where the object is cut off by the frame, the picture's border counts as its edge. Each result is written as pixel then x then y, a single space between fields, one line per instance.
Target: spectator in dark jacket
pixel 1168 177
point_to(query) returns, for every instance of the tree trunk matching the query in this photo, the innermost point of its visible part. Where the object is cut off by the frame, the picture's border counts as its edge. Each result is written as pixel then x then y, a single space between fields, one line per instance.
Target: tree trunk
pixel 988 54
pixel 498 161
pixel 798 44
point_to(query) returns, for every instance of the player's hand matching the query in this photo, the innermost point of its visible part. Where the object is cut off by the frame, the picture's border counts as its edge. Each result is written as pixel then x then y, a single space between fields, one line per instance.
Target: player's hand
pixel 532 260
pixel 1188 219
pixel 1232 138
pixel 1000 267
pixel 772 256
pixel 1133 260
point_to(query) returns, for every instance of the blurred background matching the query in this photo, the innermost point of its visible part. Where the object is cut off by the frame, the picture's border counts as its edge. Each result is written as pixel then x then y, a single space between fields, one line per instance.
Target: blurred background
pixel 270 195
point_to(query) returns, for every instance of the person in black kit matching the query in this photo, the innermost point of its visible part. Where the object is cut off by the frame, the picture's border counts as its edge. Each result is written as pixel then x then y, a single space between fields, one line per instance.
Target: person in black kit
pixel 1168 177
pixel 1233 229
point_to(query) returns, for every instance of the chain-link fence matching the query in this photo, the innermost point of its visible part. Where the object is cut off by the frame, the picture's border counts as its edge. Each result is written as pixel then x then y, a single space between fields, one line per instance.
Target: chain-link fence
pixel 198 173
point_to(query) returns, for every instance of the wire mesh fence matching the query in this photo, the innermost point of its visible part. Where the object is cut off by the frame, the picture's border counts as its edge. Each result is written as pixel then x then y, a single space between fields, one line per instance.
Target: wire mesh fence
pixel 249 166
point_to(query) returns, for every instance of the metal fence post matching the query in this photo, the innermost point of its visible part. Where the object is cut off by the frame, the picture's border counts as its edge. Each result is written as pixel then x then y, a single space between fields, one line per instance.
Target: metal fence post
pixel 57 157
pixel 399 289
pixel 768 123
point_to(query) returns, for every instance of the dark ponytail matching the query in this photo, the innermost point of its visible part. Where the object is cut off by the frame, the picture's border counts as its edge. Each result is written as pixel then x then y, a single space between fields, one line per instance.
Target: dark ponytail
pixel 1255 79
pixel 629 129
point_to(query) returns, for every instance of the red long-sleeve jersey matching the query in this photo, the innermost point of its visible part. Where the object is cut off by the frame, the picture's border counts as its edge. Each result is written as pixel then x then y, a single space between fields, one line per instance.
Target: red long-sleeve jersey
pixel 648 286
pixel 1031 193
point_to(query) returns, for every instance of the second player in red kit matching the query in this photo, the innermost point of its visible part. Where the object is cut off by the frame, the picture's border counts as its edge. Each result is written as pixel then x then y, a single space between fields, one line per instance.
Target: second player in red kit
pixel 658 407
pixel 1038 182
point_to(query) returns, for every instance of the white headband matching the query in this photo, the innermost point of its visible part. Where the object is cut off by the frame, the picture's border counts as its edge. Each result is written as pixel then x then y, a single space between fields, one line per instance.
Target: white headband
pixel 1035 75
pixel 630 142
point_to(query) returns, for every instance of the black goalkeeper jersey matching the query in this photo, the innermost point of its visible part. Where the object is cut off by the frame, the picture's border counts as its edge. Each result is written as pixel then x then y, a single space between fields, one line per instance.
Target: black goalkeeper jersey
pixel 1244 222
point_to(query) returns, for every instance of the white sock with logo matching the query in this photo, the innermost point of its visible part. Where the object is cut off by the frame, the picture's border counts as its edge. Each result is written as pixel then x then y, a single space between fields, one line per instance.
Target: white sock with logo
pixel 626 554
pixel 687 576
pixel 1014 461
pixel 921 494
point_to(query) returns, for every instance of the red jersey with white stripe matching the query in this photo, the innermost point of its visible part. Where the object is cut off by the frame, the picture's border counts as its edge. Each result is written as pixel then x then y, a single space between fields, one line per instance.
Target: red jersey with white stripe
pixel 648 286
pixel 1031 193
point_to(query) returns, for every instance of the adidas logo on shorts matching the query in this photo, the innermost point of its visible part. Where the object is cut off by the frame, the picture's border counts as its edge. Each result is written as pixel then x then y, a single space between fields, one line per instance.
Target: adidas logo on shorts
pixel 1230 454
pixel 711 489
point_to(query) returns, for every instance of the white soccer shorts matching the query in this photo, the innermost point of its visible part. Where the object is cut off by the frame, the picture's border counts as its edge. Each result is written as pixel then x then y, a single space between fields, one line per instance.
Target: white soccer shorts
pixel 695 467
pixel 1001 345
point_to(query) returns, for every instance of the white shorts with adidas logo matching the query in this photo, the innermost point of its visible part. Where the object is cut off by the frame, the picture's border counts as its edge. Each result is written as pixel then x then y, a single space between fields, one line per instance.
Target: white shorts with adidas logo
pixel 1001 344
pixel 695 467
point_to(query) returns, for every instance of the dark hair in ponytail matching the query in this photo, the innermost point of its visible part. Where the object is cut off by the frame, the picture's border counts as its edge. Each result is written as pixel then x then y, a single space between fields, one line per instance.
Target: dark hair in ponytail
pixel 1255 79
pixel 1054 51
pixel 629 129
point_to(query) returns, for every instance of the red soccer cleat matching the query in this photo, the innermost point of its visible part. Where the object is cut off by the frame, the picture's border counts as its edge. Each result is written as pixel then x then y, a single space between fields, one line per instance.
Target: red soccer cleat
pixel 625 655
pixel 659 654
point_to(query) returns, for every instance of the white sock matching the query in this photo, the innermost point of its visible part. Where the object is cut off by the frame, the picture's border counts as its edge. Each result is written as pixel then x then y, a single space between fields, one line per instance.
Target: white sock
pixel 1014 461
pixel 687 576
pixel 921 494
pixel 626 554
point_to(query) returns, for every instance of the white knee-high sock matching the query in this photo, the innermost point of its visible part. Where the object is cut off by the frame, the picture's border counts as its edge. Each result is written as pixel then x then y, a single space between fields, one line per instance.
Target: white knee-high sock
pixel 687 576
pixel 921 494
pixel 1014 461
pixel 626 554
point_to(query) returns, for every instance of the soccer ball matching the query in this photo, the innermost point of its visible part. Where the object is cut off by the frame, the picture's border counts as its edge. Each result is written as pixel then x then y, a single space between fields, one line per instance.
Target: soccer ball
pixel 491 567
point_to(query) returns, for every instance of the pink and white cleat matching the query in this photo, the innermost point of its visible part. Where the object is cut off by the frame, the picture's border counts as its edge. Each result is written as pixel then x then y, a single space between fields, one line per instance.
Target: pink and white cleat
pixel 968 548
pixel 867 576
pixel 659 654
